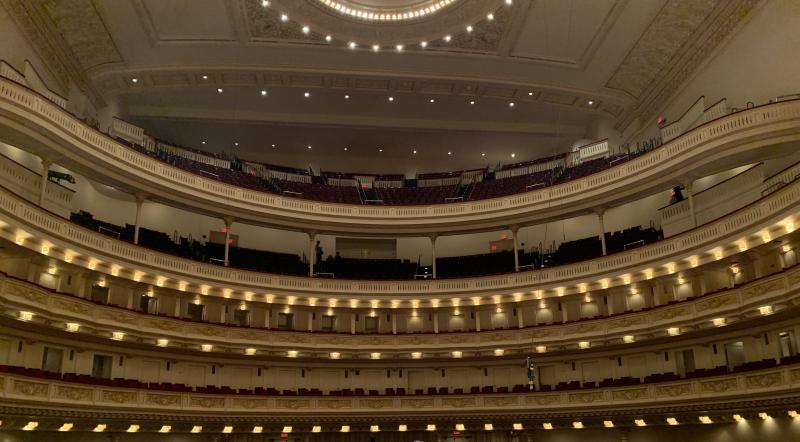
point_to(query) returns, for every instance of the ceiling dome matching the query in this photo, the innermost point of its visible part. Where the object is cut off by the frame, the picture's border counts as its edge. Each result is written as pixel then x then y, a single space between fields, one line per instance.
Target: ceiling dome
pixel 387 10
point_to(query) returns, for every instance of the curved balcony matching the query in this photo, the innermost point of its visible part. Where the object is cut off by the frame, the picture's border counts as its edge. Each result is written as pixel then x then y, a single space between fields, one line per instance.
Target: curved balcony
pixel 39 125
pixel 736 307
pixel 770 217
pixel 776 388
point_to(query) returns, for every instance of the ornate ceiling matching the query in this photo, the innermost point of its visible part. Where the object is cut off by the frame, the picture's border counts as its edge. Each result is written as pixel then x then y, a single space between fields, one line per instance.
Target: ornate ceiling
pixel 568 65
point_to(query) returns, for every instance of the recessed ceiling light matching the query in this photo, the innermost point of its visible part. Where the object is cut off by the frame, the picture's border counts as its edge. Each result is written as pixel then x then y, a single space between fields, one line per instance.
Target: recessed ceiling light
pixel 530 94
pixel 345 149
pixel 328 38
pixel 309 146
pixel 347 97
pixel 236 143
pixel 432 100
pixel 447 38
pixel 513 155
pixel 219 90
pixel 273 145
pixel 449 153
pixel 399 48
pixel 380 150
pixel 284 17
pixel 508 2
pixel 490 16
pixel 205 77
pixel 265 3
pixel 424 44
pixel 352 45
pixel 376 48
pixel 306 29
pixel 591 102
pixel 306 94
pixel 471 101
pixel 202 142
pixel 134 80
pixel 414 152
pixel 469 28
pixel 511 104
pixel 391 98
pixel 483 154
pixel 263 93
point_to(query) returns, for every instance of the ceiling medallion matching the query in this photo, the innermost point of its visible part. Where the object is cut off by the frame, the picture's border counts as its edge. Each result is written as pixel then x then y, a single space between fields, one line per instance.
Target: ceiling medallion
pixel 387 11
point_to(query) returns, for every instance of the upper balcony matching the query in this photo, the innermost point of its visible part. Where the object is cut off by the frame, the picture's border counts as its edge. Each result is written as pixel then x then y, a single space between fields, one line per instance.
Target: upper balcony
pixel 44 128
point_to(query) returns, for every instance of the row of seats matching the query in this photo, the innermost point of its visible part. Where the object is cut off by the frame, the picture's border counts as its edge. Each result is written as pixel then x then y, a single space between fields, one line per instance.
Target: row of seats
pixel 519 388
pixel 410 194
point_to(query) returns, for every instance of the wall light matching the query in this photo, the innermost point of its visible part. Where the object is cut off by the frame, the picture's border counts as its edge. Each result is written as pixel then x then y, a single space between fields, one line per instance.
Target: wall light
pixel 517 426
pixel 499 352
pixel 227 429
pixel 25 316
pixel 206 347
pixel 673 331
pixel 793 414
pixel 374 428
pixel 488 427
pixel 705 420
pixel 66 426
pixel 457 354
pixel 345 429
pixel 416 355
pixel 402 427
pixel 257 429
pixel 430 427
pixel 197 429
pixel 608 424
pixel 375 355
pixel 461 427
pixel 628 339
pixel 250 351
pixel 763 415
pixel 165 429
pixel 584 344
pixel 99 428
pixel 335 355
pixel 547 426
pixel 640 422
pixel 672 421
pixel 718 322
pixel 73 327
pixel 316 429
pixel 738 418
pixel 541 348
pixel 162 342
pixel 291 354
pixel 287 429
pixel 30 426
pixel 577 424
pixel 133 429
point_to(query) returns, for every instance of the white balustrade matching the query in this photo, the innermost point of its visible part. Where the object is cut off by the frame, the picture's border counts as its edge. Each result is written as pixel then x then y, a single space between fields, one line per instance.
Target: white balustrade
pixel 656 166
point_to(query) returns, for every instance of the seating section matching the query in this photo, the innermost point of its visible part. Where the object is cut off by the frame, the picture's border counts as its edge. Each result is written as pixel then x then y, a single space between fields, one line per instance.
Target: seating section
pixel 319 192
pixel 496 188
pixel 351 268
pixel 519 388
pixel 478 184
pixel 411 196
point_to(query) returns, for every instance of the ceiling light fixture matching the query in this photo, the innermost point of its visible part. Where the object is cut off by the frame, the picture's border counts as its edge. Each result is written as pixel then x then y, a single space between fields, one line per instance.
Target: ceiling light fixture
pixel 306 29
pixel 471 101
pixel 134 80
pixel 391 98
pixel 263 93
pixel 306 94
pixel 469 28
pixel 309 147
pixel 399 48
pixel 590 102
pixel 423 44
pixel 219 90
pixel 264 3
pixel 352 45
pixel 513 155
pixel 511 104
pixel 346 97
pixel 345 149
pixel 376 48
pixel 449 153
pixel 284 17
pixel 203 143
pixel 414 152
pixel 509 2
pixel 205 77
pixel 432 100
pixel 483 154
pixel 447 38
pixel 490 16
pixel 328 38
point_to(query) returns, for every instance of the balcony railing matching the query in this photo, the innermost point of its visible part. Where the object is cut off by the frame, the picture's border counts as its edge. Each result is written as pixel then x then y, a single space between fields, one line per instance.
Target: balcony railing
pixel 702 146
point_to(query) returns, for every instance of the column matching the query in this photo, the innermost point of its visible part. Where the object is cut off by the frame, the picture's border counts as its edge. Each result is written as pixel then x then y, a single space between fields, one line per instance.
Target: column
pixel 435 321
pixel 563 309
pixel 228 223
pixel 394 323
pixel 45 171
pixel 514 231
pixel 178 301
pixel 223 313
pixel 129 304
pixel 267 314
pixel 138 222
pixel 352 323
pixel 600 211
pixel 687 186
pixel 312 252
pixel 477 320
pixel 520 322
pixel 311 321
pixel 433 253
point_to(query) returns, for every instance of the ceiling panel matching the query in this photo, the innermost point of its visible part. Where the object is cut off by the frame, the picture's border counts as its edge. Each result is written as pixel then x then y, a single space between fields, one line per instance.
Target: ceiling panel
pixel 562 31
pixel 189 20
